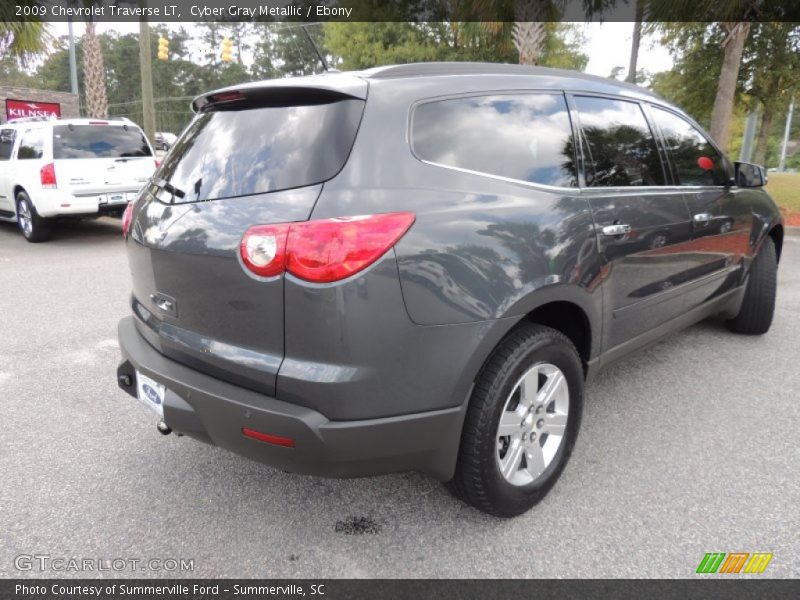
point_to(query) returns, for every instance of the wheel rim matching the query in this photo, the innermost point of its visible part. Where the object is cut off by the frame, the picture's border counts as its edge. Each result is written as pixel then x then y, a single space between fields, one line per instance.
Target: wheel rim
pixel 24 217
pixel 533 424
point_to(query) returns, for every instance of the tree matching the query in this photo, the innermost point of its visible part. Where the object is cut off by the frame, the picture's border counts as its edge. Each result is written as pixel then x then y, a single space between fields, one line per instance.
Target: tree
pixel 772 69
pixel 21 40
pixel 733 17
pixel 94 74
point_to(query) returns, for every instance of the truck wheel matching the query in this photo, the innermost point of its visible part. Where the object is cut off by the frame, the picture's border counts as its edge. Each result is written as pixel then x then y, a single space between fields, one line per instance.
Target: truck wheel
pixel 758 306
pixel 521 423
pixel 33 227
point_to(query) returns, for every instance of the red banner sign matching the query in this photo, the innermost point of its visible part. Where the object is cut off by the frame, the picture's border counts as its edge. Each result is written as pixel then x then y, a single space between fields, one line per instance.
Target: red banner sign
pixel 16 109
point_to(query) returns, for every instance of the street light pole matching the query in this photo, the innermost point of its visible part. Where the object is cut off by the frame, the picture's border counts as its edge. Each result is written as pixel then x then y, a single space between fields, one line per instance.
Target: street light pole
pixel 73 65
pixel 782 165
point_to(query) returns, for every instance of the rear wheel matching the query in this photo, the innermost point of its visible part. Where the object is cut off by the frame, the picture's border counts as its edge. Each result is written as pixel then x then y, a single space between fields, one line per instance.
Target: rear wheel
pixel 758 306
pixel 521 423
pixel 33 227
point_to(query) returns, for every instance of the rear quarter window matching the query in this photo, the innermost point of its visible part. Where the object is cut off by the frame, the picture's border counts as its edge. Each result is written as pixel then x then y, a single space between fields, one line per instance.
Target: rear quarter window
pixel 31 146
pixel 228 153
pixel 526 137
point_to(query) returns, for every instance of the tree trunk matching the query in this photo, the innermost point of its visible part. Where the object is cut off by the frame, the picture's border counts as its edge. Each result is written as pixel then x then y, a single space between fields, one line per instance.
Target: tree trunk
pixel 637 37
pixel 94 75
pixel 760 155
pixel 529 33
pixel 529 40
pixel 726 88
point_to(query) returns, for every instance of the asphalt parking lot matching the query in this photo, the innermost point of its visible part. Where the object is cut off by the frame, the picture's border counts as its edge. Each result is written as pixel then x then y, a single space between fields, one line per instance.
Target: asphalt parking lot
pixel 686 448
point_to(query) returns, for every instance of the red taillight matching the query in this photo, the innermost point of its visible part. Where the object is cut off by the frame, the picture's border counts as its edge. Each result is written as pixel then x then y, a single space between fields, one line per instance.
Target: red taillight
pixel 126 219
pixel 158 163
pixel 47 174
pixel 325 250
pixel 268 438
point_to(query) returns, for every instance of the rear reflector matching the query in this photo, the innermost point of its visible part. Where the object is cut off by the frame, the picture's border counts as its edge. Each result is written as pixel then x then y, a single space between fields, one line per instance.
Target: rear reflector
pixel 277 440
pixel 324 250
pixel 47 175
pixel 126 219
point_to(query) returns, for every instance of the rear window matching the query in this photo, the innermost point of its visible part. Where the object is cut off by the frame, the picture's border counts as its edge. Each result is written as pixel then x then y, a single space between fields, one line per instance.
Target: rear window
pixel 230 153
pixel 99 141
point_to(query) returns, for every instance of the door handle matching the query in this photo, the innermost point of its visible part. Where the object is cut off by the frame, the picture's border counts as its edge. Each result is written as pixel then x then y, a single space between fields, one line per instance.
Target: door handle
pixel 702 218
pixel 616 229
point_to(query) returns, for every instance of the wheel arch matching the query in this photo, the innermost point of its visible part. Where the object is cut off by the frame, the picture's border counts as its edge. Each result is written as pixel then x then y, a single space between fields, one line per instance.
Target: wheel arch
pixel 776 233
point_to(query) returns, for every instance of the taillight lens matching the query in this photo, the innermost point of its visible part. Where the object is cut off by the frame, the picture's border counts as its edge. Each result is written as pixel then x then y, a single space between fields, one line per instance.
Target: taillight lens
pixel 126 219
pixel 47 175
pixel 324 250
pixel 158 163
pixel 263 249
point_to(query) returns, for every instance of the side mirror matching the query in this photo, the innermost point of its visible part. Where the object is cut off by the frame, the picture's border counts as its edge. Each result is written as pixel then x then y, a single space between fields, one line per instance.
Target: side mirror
pixel 749 175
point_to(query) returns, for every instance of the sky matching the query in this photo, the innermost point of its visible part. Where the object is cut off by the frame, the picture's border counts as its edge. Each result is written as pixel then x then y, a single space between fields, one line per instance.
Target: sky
pixel 609 45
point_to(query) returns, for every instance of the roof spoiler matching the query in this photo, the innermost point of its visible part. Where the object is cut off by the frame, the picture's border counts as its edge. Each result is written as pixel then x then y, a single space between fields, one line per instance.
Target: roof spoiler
pixel 314 89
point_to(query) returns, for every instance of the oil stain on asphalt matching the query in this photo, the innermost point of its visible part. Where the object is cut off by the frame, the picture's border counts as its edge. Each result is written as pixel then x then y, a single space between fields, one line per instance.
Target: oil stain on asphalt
pixel 357 526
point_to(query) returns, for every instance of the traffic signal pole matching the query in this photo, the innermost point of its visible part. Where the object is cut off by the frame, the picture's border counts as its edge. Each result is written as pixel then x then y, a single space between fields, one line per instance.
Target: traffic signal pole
pixel 146 69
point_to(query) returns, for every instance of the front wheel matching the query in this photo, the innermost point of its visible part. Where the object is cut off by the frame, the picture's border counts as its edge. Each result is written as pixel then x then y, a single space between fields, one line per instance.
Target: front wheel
pixel 758 306
pixel 522 422
pixel 32 226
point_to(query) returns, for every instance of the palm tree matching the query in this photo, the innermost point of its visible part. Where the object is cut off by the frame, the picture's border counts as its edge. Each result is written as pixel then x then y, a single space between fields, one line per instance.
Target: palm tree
pixel 733 16
pixel 94 74
pixel 21 39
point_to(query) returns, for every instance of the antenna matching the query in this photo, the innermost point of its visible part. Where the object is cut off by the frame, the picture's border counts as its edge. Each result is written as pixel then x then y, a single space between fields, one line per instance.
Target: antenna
pixel 316 49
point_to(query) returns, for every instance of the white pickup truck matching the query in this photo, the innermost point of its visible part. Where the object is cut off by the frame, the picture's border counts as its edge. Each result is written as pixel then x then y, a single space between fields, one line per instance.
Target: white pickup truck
pixel 69 167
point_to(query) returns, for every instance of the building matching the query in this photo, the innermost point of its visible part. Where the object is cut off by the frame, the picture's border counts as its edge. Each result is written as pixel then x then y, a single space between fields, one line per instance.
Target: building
pixel 21 102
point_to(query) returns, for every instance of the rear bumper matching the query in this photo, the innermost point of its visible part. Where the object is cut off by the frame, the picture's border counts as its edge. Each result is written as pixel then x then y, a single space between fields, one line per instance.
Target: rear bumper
pixel 216 412
pixel 56 202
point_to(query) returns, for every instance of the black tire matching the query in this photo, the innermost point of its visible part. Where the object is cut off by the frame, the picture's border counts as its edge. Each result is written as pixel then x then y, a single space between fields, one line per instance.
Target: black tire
pixel 758 306
pixel 38 229
pixel 478 480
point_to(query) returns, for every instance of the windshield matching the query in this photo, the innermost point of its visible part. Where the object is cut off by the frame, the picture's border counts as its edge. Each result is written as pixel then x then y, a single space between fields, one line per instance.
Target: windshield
pixel 99 141
pixel 242 152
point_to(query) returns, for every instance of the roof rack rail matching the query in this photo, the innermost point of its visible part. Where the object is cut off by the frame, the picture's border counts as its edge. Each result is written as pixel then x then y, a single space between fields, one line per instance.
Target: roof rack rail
pixel 31 119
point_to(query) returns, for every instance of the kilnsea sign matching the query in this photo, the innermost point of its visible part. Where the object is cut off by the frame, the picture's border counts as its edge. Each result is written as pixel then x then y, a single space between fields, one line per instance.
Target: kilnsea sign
pixel 16 109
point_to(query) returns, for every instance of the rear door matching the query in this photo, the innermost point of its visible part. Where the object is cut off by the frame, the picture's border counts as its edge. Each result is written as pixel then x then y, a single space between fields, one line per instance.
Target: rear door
pixel 104 158
pixel 642 224
pixel 257 159
pixel 722 220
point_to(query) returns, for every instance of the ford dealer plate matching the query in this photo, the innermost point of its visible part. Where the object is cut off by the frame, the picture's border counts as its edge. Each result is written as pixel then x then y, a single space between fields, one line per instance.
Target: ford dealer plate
pixel 151 393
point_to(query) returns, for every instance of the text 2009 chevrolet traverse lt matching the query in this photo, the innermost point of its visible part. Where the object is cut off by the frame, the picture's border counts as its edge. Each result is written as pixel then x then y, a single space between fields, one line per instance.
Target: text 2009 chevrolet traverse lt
pixel 416 267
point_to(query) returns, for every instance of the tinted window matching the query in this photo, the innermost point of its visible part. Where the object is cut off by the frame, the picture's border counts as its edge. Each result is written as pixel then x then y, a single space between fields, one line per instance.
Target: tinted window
pixel 6 143
pixel 32 144
pixel 98 141
pixel 620 148
pixel 241 152
pixel 688 150
pixel 526 137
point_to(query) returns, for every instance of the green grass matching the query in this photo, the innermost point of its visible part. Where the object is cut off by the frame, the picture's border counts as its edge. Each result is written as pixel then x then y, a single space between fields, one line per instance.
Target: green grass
pixel 785 190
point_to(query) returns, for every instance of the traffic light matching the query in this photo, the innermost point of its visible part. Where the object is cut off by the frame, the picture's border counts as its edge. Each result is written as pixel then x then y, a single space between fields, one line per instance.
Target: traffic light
pixel 163 48
pixel 227 50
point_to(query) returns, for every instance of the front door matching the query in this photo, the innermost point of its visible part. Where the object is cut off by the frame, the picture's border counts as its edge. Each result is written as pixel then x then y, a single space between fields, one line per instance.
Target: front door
pixel 722 220
pixel 642 223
